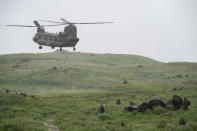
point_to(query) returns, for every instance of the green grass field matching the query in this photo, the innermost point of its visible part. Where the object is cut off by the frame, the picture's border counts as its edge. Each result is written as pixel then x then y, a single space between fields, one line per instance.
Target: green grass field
pixel 70 94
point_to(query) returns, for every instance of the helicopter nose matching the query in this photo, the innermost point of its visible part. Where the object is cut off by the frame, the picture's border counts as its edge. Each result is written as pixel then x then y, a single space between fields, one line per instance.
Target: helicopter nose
pixel 35 38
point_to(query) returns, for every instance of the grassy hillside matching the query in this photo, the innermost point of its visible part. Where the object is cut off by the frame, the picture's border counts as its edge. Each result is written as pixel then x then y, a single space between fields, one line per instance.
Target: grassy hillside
pixel 71 86
pixel 89 71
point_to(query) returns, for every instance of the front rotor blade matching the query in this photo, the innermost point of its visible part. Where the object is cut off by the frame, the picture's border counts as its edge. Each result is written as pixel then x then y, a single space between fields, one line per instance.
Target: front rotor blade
pixel 64 20
pixel 21 25
pixel 34 26
pixel 49 21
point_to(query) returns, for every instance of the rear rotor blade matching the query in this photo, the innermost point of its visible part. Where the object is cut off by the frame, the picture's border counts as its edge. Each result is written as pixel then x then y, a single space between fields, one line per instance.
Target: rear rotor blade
pixel 54 25
pixel 21 25
pixel 95 23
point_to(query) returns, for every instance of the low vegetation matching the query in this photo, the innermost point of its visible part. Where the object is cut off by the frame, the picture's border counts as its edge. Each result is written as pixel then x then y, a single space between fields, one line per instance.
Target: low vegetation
pixel 70 87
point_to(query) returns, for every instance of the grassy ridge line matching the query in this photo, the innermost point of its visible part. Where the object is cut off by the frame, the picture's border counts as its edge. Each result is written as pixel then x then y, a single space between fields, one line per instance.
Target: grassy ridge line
pixel 89 71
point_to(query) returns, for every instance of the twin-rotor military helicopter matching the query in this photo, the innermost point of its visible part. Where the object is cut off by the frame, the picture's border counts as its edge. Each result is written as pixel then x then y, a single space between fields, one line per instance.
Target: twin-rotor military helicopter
pixel 68 38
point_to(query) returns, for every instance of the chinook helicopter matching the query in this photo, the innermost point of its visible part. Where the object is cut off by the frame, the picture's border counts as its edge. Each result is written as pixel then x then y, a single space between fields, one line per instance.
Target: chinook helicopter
pixel 68 38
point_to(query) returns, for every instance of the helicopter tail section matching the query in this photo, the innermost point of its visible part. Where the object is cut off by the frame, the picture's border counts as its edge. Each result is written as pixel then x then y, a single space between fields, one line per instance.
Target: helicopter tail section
pixel 71 31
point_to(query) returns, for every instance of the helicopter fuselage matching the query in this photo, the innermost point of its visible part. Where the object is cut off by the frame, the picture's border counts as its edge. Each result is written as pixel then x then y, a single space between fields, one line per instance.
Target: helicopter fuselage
pixel 55 40
pixel 68 38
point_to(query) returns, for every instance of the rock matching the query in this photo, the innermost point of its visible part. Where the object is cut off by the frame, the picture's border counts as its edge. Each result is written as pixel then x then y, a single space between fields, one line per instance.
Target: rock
pixel 123 124
pixel 118 102
pixel 182 122
pixel 130 108
pixel 125 82
pixel 177 102
pixel 54 68
pixel 139 66
pixel 186 103
pixel 169 102
pixel 155 102
pixel 179 76
pixel 161 75
pixel 143 107
pixel 23 94
pixel 100 110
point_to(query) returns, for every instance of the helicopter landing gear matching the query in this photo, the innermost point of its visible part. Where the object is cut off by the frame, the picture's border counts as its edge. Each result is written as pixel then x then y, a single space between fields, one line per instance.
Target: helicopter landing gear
pixel 74 48
pixel 60 48
pixel 40 47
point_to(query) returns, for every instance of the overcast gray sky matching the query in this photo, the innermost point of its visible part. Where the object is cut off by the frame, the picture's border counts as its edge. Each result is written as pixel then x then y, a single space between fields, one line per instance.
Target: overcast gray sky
pixel 165 30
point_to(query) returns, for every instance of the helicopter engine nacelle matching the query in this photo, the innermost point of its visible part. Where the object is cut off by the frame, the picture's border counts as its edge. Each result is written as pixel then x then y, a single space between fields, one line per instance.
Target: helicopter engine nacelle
pixel 71 31
pixel 40 29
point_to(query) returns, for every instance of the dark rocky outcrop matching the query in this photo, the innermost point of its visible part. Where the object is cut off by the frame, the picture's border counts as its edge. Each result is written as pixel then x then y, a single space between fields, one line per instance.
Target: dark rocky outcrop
pixel 125 82
pixel 143 107
pixel 182 122
pixel 118 102
pixel 186 103
pixel 123 124
pixel 54 68
pixel 179 76
pixel 100 110
pixel 169 102
pixel 130 108
pixel 23 94
pixel 155 102
pixel 177 102
pixel 140 66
